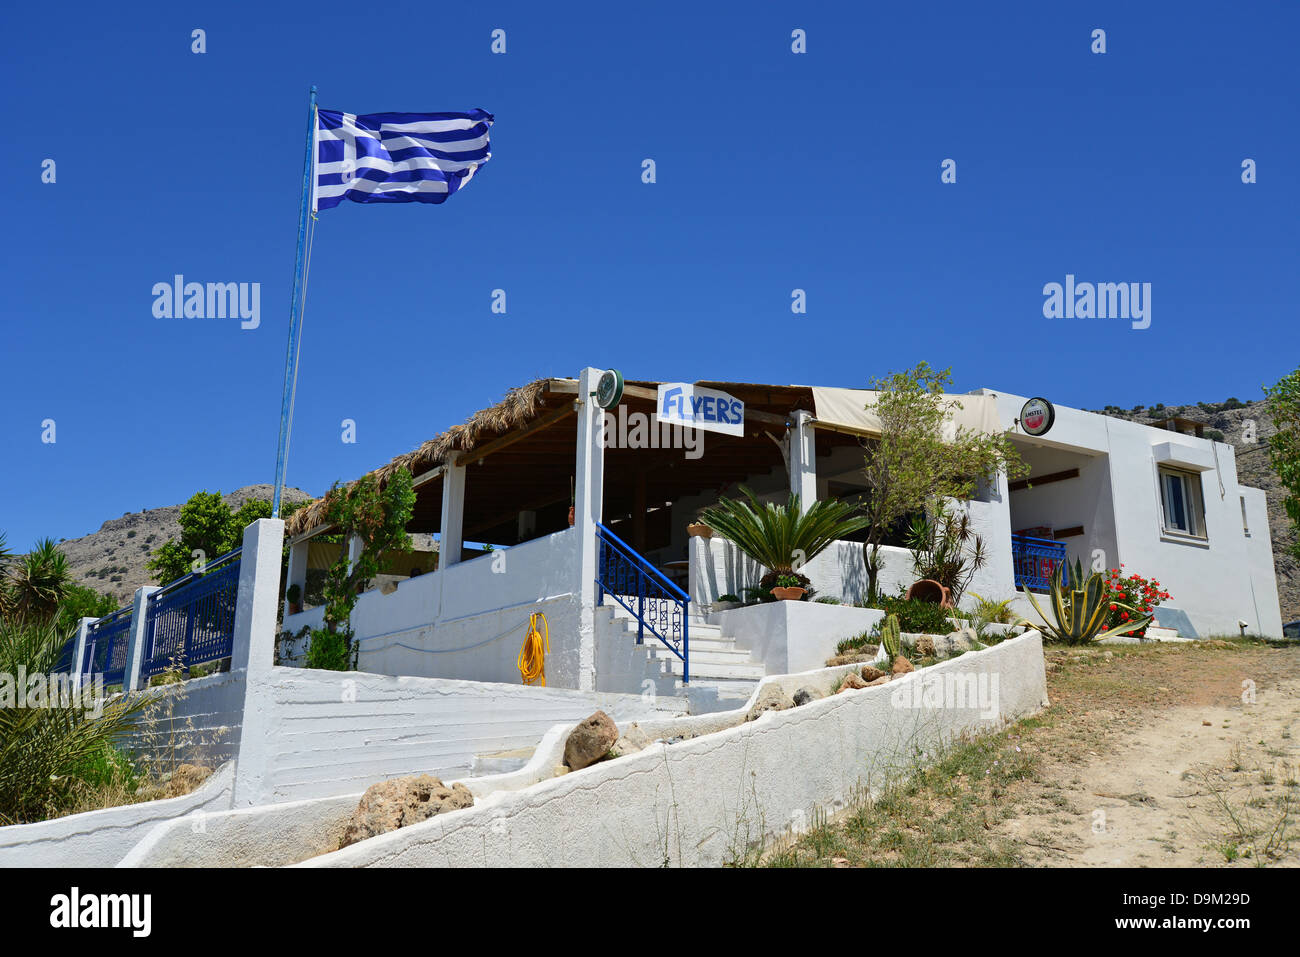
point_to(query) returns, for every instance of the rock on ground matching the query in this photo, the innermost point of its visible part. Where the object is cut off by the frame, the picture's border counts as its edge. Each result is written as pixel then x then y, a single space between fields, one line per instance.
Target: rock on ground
pixel 590 741
pixel 401 802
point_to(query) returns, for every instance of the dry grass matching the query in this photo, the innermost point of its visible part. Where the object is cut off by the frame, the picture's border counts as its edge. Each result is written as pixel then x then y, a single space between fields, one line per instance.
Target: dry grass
pixel 948 814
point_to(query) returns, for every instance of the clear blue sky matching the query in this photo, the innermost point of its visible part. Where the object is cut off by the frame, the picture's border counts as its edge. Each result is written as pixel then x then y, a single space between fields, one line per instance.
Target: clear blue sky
pixel 775 171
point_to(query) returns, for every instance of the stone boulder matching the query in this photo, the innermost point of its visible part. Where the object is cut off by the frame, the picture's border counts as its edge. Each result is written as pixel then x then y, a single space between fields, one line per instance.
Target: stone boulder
pixel 771 698
pixel 632 740
pixel 804 695
pixel 401 802
pixel 852 682
pixel 590 741
pixel 871 673
pixel 925 646
pixel 901 666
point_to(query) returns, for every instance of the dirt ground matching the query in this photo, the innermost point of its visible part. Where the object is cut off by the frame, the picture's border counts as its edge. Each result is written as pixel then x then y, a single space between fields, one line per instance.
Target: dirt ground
pixel 1149 755
pixel 1190 758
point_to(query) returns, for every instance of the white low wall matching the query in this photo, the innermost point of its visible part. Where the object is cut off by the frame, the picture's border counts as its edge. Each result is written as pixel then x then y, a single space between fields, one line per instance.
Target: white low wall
pixel 333 732
pixel 701 802
pixel 792 636
pixel 469 619
pixel 194 722
pixel 102 838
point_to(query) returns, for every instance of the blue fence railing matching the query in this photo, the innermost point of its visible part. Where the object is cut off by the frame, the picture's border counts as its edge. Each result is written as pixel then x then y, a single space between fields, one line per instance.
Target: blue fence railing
pixel 1034 560
pixel 106 642
pixel 192 620
pixel 658 606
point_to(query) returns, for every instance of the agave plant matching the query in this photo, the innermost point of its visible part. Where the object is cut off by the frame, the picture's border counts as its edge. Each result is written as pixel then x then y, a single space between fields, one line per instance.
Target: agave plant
pixel 1080 612
pixel 780 537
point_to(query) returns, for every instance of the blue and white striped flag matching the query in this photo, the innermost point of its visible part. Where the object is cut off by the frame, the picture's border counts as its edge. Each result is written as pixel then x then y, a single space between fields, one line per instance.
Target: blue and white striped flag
pixel 397 157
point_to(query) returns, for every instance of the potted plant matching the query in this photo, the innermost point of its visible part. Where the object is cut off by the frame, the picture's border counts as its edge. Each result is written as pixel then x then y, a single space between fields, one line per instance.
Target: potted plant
pixel 294 594
pixel 779 536
pixel 787 588
pixel 699 529
pixel 726 601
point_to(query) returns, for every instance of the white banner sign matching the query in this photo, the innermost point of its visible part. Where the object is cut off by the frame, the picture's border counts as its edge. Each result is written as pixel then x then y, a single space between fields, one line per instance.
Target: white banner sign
pixel 694 406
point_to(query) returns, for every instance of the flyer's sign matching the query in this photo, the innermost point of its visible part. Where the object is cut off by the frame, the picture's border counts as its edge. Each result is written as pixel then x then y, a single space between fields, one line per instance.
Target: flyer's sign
pixel 696 407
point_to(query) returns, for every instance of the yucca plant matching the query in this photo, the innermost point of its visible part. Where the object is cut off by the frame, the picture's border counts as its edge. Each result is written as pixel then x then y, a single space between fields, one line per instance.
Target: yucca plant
pixel 781 537
pixel 1080 612
pixel 946 550
pixel 38 581
pixel 52 745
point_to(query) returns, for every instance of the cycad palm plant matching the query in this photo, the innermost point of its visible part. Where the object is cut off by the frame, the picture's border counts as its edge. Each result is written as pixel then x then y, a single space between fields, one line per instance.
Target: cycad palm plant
pixel 781 538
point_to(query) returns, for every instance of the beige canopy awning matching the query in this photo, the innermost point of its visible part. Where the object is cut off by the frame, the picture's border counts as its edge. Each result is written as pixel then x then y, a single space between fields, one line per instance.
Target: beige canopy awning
pixel 850 410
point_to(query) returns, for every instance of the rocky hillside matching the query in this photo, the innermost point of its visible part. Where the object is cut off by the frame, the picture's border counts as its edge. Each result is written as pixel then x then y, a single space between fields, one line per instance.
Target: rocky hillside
pixel 112 560
pixel 1227 422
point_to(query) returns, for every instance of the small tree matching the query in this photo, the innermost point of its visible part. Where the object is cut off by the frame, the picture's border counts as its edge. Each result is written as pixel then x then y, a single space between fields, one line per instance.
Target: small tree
pixel 378 516
pixel 914 466
pixel 1284 447
pixel 210 528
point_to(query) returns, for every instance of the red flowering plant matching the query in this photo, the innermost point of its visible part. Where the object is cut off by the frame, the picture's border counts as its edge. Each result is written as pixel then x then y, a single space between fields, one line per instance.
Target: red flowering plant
pixel 1138 593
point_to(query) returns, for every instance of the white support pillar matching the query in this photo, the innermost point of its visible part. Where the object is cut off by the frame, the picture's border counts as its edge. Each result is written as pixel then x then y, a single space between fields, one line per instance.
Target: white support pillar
pixel 588 505
pixel 451 535
pixel 259 591
pixel 131 678
pixel 803 459
pixel 254 652
pixel 79 651
pixel 297 571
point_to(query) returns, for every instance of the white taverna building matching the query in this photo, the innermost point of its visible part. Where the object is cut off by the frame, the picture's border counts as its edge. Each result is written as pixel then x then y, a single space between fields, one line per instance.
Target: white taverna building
pixel 587 511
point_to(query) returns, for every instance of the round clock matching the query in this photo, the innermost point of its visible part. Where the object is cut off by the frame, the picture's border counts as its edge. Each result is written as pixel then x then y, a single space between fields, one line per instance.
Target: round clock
pixel 609 389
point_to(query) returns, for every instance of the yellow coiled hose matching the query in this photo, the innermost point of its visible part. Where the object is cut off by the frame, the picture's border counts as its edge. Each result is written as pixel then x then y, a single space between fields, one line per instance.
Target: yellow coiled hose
pixel 532 654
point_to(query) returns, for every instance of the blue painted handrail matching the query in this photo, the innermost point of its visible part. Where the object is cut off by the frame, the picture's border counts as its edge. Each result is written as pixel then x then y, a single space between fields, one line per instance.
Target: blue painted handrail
pixel 192 620
pixel 1035 559
pixel 660 606
pixel 106 642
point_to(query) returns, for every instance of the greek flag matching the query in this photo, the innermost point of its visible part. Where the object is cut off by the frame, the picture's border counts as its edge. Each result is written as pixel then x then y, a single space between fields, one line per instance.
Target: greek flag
pixel 396 157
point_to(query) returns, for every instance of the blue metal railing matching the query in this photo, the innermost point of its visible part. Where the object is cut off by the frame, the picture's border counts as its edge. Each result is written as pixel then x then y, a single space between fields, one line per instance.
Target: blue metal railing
pixel 1034 560
pixel 106 642
pixel 192 620
pixel 658 606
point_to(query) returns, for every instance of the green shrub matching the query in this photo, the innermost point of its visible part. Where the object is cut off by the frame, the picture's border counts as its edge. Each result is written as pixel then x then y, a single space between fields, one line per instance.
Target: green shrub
pixel 916 616
pixel 331 650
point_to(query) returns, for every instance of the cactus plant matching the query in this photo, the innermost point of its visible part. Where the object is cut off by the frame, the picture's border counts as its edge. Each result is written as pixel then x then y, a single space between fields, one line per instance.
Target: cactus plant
pixel 1080 612
pixel 890 638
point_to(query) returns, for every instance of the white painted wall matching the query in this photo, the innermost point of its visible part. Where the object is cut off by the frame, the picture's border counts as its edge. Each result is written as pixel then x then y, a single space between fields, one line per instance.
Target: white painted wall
pixel 102 838
pixel 335 732
pixel 468 620
pixel 198 721
pixel 794 636
pixel 1215 582
pixel 700 802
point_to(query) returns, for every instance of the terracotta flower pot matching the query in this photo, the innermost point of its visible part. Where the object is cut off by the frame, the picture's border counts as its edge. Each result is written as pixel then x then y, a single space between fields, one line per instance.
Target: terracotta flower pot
pixel 793 593
pixel 295 608
pixel 927 589
pixel 699 530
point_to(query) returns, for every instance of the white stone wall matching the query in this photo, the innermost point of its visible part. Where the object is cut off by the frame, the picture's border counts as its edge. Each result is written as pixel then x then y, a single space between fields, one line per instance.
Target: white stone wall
pixel 701 802
pixel 327 733
pixel 469 619
pixel 102 838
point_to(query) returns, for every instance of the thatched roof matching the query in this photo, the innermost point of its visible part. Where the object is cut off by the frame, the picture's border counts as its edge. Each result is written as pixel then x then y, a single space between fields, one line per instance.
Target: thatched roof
pixel 520 406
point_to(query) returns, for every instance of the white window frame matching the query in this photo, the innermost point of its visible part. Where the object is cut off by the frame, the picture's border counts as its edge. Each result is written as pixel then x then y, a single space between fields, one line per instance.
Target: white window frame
pixel 1193 504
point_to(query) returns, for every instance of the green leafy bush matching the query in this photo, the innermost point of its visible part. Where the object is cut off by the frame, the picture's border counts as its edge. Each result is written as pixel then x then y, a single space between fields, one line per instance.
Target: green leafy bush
pixel 331 650
pixel 915 616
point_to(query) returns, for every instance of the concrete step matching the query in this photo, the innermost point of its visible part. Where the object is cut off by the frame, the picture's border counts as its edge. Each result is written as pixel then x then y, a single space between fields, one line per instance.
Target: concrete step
pixel 703 670
pixel 728 656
